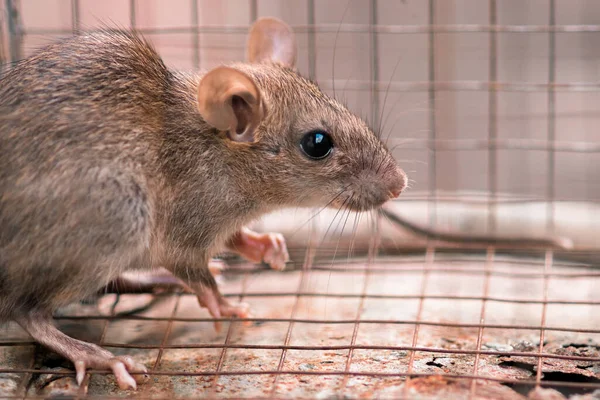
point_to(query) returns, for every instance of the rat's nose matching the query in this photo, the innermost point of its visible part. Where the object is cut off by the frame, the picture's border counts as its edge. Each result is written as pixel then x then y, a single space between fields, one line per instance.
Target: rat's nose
pixel 397 182
pixel 394 194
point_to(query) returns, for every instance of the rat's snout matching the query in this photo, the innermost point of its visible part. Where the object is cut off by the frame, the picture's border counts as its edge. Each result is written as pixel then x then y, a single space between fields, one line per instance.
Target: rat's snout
pixel 374 186
pixel 396 182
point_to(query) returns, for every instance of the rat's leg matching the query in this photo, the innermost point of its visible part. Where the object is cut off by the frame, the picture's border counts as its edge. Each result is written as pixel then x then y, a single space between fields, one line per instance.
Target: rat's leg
pixel 83 355
pixel 253 246
pixel 202 282
pixel 257 247
pixel 160 280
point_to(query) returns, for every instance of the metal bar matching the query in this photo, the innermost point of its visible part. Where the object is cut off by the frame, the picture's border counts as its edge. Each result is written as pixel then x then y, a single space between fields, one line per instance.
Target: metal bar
pixel 132 16
pixel 578 385
pixel 462 271
pixel 432 156
pixel 374 50
pixel 493 121
pixel 551 169
pixel 75 16
pixel 333 322
pixel 487 273
pixel 312 42
pixel 429 259
pixel 24 384
pixel 253 12
pixel 195 35
pixel 413 349
pixel 165 340
pixel 486 290
pixel 363 295
pixel 363 28
pixel 547 268
pixel 227 344
pixel 506 144
pixel 15 31
pixel 83 388
pixel 310 253
pixel 465 86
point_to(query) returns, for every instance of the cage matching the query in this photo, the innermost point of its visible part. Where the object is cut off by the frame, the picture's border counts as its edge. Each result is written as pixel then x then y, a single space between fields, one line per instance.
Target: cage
pixel 490 107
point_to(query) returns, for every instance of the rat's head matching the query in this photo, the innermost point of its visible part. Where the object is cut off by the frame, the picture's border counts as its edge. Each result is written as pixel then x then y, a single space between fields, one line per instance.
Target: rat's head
pixel 310 148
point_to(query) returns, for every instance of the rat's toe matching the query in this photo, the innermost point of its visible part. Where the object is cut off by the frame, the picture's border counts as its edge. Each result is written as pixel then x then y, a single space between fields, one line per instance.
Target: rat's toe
pixel 140 371
pixel 80 371
pixel 124 379
pixel 276 254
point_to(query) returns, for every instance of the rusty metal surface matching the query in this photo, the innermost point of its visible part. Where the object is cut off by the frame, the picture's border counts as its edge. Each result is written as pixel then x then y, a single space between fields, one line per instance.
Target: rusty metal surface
pixel 345 332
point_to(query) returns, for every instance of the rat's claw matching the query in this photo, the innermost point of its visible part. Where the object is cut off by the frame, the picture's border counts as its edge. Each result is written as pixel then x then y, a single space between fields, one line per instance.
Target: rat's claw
pixel 120 366
pixel 141 371
pixel 80 372
pixel 83 355
pixel 124 379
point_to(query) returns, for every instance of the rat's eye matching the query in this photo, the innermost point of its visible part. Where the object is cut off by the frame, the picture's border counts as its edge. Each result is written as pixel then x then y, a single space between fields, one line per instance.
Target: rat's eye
pixel 316 144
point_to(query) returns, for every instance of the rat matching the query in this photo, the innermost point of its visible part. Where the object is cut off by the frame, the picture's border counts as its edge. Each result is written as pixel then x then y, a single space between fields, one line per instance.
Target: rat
pixel 111 162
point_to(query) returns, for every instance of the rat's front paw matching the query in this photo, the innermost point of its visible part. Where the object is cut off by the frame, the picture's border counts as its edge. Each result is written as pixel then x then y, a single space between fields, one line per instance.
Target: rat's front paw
pixel 257 247
pixel 276 253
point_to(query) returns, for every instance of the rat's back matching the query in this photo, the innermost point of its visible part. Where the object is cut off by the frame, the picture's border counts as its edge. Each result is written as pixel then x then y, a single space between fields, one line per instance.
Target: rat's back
pixel 76 124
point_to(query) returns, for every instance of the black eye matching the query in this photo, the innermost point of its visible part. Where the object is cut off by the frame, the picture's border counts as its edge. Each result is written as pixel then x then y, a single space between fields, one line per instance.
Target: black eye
pixel 316 144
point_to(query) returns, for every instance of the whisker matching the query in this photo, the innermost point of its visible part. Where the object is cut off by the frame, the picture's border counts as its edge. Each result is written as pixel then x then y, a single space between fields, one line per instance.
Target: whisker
pixel 343 227
pixel 387 92
pixel 337 33
pixel 338 242
pixel 333 220
pixel 411 110
pixel 353 237
pixel 396 245
pixel 320 210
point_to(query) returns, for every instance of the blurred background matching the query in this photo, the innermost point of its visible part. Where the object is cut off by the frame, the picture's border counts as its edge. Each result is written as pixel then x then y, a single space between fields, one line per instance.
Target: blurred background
pixel 482 101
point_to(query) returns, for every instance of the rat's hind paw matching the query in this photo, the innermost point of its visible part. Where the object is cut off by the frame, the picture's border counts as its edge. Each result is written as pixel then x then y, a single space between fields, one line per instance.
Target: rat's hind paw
pixel 257 247
pixel 82 354
pixel 121 367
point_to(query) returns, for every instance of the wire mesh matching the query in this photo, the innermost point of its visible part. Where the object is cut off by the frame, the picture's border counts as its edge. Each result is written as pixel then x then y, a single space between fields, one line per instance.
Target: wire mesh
pixel 501 285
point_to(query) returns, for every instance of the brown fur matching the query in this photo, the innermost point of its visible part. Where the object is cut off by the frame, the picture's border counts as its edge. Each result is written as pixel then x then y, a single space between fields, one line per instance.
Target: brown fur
pixel 106 165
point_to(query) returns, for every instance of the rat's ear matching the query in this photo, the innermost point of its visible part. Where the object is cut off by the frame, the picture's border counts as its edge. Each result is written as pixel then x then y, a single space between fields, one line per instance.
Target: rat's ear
pixel 230 101
pixel 272 40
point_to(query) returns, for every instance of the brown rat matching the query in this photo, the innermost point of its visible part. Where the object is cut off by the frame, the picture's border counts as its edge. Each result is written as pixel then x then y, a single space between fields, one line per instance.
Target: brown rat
pixel 111 162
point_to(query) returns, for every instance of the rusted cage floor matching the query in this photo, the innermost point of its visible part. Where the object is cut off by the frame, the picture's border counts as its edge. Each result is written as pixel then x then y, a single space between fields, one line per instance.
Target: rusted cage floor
pixel 476 318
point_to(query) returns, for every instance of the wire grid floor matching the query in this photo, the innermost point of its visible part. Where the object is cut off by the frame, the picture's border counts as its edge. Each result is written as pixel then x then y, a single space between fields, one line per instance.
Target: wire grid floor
pixel 344 329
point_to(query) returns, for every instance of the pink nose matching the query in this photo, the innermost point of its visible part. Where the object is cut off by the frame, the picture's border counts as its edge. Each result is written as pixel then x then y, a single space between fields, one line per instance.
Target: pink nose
pixel 397 183
pixel 395 193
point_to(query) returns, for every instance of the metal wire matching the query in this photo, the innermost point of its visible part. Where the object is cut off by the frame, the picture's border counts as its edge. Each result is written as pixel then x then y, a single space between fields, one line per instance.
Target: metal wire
pixel 427 262
pixel 362 28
